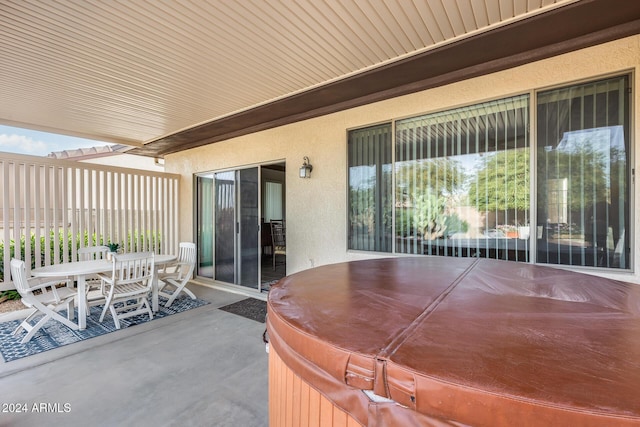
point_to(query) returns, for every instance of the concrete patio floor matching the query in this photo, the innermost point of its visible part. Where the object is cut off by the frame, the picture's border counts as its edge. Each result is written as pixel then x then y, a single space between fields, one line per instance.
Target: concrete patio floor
pixel 201 367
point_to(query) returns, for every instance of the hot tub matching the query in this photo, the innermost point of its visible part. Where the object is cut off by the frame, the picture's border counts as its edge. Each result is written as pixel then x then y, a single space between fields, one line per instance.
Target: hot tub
pixel 453 341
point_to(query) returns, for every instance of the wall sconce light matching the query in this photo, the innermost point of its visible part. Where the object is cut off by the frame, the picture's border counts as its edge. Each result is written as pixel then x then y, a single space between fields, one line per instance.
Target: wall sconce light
pixel 306 168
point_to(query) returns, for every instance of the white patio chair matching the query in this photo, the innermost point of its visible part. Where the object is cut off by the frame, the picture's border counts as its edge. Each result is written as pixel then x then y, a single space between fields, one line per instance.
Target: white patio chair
pixel 177 274
pixel 130 280
pixel 93 283
pixel 88 253
pixel 47 302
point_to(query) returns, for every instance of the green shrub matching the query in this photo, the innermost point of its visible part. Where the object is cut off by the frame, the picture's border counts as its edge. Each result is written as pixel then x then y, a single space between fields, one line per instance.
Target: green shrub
pixel 9 295
pixel 89 240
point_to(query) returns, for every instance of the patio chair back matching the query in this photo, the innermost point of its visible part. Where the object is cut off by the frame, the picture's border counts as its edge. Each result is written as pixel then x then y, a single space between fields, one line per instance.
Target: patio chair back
pixel 93 282
pixel 186 260
pixel 131 279
pixel 19 277
pixel 178 274
pixel 88 253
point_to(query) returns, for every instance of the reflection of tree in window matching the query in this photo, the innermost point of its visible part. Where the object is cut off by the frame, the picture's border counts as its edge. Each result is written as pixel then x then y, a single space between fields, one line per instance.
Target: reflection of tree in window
pixel 443 205
pixel 426 186
pixel 585 167
pixel 502 185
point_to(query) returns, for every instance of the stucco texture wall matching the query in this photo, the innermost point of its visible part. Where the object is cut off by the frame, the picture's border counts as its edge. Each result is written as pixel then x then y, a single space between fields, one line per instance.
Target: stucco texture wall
pixel 317 207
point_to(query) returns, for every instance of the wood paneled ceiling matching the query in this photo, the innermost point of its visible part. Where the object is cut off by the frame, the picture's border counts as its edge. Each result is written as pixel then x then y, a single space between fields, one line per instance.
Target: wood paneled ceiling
pixel 164 76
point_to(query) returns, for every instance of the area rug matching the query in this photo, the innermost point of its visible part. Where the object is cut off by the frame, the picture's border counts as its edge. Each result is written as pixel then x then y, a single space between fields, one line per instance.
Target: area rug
pixel 250 308
pixel 54 334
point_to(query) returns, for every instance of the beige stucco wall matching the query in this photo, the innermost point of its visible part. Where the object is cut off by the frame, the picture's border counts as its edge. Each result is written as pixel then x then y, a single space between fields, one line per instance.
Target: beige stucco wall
pixel 128 161
pixel 316 207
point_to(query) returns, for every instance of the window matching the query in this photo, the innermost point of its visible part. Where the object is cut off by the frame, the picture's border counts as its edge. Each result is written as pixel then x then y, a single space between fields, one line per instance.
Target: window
pixel 462 181
pixel 583 174
pixel 459 181
pixel 370 189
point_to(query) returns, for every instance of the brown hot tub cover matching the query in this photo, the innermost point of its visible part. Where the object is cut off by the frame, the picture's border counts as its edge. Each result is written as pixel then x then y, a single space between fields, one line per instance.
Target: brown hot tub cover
pixel 462 341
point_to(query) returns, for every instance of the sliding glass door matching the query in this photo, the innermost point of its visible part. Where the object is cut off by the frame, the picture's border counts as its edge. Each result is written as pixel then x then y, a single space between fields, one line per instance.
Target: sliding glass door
pixel 228 218
pixel 237 227
pixel 204 221
pixel 248 235
pixel 225 226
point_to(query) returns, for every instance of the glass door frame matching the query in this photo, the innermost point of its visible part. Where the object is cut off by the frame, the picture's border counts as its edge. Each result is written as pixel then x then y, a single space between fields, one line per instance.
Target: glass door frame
pixel 197 215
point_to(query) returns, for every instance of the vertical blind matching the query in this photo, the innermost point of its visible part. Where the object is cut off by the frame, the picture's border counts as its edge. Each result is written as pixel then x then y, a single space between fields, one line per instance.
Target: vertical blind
pixel 583 174
pixel 462 181
pixel 370 189
pixel 459 182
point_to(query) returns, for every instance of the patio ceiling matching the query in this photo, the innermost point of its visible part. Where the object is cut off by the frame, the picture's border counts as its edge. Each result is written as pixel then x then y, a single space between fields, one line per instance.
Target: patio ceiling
pixel 164 76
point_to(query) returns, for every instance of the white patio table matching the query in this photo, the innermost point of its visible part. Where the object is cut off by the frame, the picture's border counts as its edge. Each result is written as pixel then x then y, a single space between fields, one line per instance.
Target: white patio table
pixel 81 269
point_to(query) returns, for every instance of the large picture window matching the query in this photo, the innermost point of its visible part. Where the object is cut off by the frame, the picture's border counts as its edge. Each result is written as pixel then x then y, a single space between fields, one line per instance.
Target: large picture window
pixel 462 181
pixel 459 182
pixel 583 174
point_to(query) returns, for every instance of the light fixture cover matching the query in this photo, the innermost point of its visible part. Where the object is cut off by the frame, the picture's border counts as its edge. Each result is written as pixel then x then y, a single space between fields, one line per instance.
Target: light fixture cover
pixel 306 168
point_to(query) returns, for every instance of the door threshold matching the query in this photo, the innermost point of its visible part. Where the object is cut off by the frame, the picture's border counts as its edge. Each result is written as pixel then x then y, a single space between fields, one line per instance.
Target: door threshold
pixel 236 289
